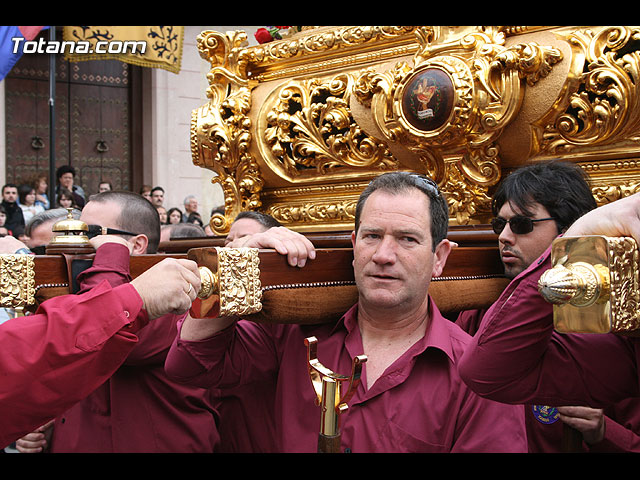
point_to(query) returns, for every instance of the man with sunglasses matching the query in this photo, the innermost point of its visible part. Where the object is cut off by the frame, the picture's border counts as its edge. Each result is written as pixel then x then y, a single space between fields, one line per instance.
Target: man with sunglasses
pixel 410 398
pixel 138 409
pixel 531 207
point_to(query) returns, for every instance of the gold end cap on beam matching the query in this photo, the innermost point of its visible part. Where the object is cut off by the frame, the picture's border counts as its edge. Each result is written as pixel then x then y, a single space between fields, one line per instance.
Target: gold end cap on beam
pixel 230 282
pixel 593 285
pixel 209 285
pixel 580 284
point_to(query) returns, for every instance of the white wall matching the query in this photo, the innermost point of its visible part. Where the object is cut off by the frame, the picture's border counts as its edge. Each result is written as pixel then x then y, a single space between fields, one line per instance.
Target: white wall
pixel 168 102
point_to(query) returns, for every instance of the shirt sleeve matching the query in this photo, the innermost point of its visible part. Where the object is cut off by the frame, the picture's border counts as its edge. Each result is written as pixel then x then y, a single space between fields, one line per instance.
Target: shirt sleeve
pixel 54 358
pixel 516 357
pixel 112 263
pixel 617 439
pixel 240 354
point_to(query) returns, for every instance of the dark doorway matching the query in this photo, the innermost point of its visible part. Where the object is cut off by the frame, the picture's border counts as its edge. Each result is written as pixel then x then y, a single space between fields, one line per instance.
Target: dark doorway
pixel 97 109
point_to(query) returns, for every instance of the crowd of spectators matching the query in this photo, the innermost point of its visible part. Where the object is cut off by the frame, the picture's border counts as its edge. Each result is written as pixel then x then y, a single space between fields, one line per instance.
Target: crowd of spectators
pixel 21 201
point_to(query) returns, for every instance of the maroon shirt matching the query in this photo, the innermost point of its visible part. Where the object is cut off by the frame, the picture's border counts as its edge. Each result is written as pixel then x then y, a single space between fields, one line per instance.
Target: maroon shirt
pixel 419 404
pixel 54 358
pixel 138 409
pixel 517 357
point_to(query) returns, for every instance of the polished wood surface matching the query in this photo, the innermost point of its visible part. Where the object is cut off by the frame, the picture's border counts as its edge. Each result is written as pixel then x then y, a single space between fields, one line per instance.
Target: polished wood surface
pixel 325 287
pixel 464 236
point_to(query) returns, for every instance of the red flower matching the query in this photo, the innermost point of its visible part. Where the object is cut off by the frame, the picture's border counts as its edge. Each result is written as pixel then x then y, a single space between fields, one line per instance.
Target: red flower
pixel 263 35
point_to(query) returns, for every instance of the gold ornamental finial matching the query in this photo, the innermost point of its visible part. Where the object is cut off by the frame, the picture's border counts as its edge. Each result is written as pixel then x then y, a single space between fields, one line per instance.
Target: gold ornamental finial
pixel 330 395
pixel 579 284
pixel 594 284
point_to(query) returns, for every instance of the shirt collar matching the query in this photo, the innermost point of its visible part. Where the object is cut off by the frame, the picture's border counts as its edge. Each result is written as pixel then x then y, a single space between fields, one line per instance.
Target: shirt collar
pixel 437 335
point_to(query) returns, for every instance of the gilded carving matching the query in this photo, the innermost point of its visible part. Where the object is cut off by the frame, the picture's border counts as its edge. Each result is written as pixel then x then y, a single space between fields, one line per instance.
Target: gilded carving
pixel 309 132
pixel 624 284
pixel 322 42
pixel 452 104
pixel 602 105
pixel 335 106
pixel 17 280
pixel 239 281
pixel 221 129
pixel 609 193
pixel 315 211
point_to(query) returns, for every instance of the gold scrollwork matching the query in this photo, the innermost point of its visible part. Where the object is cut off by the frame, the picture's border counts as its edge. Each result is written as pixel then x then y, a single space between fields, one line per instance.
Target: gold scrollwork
pixel 610 193
pixel 314 42
pixel 316 211
pixel 624 300
pixel 603 105
pixel 221 129
pixel 309 131
pixel 17 278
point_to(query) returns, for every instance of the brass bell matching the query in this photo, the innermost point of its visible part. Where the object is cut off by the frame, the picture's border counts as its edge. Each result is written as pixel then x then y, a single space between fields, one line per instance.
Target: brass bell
pixel 70 236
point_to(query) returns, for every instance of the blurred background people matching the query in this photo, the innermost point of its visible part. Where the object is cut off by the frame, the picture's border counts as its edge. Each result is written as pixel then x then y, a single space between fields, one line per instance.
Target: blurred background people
pixel 27 196
pixel 174 215
pixel 66 178
pixel 162 213
pixel 104 187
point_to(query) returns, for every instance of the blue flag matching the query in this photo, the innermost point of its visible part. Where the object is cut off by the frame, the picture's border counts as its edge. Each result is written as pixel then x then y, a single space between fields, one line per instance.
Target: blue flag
pixel 9 53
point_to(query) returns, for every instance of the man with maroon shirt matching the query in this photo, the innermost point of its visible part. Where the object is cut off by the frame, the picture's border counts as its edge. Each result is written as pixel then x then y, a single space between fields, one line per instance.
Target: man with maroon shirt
pixel 532 206
pixel 54 358
pixel 411 398
pixel 138 409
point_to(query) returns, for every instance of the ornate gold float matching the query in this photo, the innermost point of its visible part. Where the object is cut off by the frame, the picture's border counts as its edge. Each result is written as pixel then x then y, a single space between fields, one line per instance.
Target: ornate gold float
pixel 297 127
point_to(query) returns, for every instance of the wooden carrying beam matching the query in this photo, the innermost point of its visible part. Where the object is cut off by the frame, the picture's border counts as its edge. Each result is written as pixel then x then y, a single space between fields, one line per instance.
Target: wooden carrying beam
pixel 56 274
pixel 319 292
pixel 324 288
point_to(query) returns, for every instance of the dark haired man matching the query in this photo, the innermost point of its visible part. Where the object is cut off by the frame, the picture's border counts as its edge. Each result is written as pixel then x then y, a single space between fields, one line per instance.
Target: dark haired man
pixel 15 219
pixel 532 206
pixel 138 409
pixel 410 398
pixel 535 204
pixel 157 196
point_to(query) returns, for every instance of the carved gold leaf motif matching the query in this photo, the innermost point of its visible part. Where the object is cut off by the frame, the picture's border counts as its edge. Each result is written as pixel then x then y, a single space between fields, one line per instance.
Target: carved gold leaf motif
pixel 17 277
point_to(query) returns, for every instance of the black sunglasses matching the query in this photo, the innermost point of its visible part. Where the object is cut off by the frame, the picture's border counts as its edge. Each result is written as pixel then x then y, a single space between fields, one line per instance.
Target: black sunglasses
pixel 519 224
pixel 95 230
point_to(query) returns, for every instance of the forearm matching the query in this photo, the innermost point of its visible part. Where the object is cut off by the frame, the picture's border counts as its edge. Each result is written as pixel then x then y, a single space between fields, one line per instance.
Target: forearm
pixel 110 263
pixel 238 354
pixel 197 356
pixel 194 329
pixel 510 343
